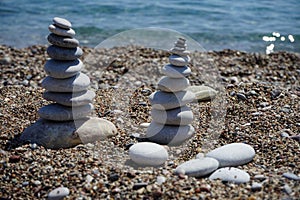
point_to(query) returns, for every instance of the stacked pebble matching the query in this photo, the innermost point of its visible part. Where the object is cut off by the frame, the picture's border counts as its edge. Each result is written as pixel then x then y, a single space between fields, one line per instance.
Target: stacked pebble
pixel 65 84
pixel 171 118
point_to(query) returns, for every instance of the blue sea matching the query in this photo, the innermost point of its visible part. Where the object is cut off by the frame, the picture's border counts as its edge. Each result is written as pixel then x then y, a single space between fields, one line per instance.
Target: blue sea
pixel 252 25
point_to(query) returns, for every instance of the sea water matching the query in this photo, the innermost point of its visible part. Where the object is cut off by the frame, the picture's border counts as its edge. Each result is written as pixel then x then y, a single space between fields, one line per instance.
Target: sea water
pixel 252 25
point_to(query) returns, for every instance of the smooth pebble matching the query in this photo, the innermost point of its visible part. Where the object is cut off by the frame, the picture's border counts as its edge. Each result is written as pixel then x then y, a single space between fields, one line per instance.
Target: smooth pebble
pixel 165 100
pixel 60 53
pixel 230 174
pixel 202 93
pixel 77 83
pixel 148 154
pixel 177 116
pixel 58 193
pixel 62 41
pixel 179 60
pixel 291 176
pixel 168 134
pixel 70 99
pixel 233 154
pixel 60 31
pixel 198 167
pixel 62 23
pixel 173 71
pixel 63 69
pixel 58 112
pixel 168 84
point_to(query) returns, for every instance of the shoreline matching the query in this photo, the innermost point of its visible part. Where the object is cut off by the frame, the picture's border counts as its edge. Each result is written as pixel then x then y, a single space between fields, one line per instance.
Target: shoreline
pixel 269 83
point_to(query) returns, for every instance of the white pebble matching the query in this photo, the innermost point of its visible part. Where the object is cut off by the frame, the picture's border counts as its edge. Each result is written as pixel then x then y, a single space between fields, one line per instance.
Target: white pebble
pixel 148 154
pixel 230 174
pixel 58 193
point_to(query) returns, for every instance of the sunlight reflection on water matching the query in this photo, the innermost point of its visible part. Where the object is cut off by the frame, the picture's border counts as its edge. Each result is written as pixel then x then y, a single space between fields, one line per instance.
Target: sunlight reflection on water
pixel 270 40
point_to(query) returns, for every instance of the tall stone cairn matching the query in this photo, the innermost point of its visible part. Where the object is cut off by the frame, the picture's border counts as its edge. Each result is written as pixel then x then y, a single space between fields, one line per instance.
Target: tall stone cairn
pixel 171 117
pixel 65 84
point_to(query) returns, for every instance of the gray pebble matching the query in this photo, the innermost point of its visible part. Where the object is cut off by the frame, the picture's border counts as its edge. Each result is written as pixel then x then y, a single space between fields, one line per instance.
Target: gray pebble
pixel 63 69
pixel 198 167
pixel 256 186
pixel 287 189
pixel 202 92
pixel 177 116
pixel 70 99
pixel 168 134
pixel 179 60
pixel 168 84
pixel 166 100
pixel 58 112
pixel 77 83
pixel 60 53
pixel 230 174
pixel 241 96
pixel 62 23
pixel 173 71
pixel 62 41
pixel 60 31
pixel 291 176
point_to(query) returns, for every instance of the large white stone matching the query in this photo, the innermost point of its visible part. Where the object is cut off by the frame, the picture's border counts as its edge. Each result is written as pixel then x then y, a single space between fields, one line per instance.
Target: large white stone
pixel 202 92
pixel 168 84
pixel 58 112
pixel 230 174
pixel 77 83
pixel 55 135
pixel 173 71
pixel 165 100
pixel 148 154
pixel 179 60
pixel 60 31
pixel 168 134
pixel 177 116
pixel 63 69
pixel 198 167
pixel 233 154
pixel 70 99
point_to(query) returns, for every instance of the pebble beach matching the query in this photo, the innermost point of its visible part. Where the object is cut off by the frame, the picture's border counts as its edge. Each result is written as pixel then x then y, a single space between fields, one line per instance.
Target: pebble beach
pixel 262 110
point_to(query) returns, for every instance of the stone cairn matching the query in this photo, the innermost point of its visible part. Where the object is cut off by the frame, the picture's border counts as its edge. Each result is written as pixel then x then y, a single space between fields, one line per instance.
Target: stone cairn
pixel 65 84
pixel 171 118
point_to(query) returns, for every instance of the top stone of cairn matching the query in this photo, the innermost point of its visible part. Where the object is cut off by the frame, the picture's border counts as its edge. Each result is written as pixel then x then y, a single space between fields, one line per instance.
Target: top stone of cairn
pixel 62 23
pixel 180 48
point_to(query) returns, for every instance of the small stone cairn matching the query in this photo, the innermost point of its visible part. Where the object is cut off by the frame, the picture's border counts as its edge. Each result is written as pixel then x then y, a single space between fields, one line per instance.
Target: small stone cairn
pixel 67 122
pixel 171 118
pixel 65 84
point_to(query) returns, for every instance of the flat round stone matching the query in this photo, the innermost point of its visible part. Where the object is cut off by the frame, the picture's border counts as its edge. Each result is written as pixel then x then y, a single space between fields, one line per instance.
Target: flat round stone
pixel 179 52
pixel 58 193
pixel 165 100
pixel 56 135
pixel 61 41
pixel 60 53
pixel 202 92
pixel 60 31
pixel 177 116
pixel 56 112
pixel 233 154
pixel 169 135
pixel 70 99
pixel 230 174
pixel 63 69
pixel 168 84
pixel 198 167
pixel 77 83
pixel 179 60
pixel 173 71
pixel 148 154
pixel 62 23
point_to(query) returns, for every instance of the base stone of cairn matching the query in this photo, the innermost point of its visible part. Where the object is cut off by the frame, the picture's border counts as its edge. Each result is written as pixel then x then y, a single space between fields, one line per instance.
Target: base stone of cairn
pixel 66 122
pixel 171 118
